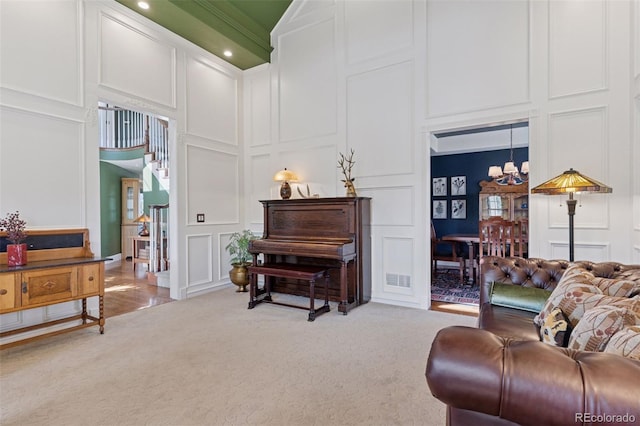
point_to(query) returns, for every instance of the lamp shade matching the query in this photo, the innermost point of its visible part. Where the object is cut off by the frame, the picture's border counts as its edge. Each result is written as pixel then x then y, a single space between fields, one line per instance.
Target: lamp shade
pixel 525 167
pixel 143 218
pixel 510 168
pixel 571 181
pixel 495 171
pixel 285 176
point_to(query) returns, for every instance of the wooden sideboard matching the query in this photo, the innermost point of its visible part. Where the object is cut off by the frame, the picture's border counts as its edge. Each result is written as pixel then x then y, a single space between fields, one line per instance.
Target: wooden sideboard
pixel 52 275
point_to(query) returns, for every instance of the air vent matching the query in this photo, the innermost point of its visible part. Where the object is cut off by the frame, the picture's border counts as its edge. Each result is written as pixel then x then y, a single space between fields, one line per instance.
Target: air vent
pixel 398 280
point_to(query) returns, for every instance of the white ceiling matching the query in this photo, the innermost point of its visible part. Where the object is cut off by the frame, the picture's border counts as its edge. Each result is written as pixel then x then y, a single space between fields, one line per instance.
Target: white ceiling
pixel 480 140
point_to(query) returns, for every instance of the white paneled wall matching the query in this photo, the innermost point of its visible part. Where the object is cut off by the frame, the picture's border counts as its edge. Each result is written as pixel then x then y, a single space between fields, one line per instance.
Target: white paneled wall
pixel 477 55
pixel 382 76
pixel 150 76
pixel 212 102
pixel 382 129
pixel 59 58
pixel 635 159
pixel 366 37
pixel 51 33
pixel 573 68
pixel 307 82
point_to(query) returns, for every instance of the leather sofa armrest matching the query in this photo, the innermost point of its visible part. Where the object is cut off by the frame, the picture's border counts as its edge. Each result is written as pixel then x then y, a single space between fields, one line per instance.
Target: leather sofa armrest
pixel 529 382
pixel 532 272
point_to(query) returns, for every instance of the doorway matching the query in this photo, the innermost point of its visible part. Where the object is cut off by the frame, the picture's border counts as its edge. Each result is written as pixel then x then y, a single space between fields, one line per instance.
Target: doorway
pixel 134 196
pixel 460 160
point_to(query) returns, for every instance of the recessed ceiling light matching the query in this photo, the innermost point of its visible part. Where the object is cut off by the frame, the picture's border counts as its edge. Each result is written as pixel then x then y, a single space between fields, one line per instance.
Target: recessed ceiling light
pixel 228 53
pixel 143 5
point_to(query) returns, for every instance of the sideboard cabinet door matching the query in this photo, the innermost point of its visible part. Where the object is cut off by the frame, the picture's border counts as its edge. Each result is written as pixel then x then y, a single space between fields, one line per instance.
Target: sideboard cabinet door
pixel 45 286
pixel 7 291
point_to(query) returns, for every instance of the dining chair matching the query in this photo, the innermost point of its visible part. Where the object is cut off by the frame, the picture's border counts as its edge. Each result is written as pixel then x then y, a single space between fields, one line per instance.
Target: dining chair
pixel 446 251
pixel 497 238
pixel 521 228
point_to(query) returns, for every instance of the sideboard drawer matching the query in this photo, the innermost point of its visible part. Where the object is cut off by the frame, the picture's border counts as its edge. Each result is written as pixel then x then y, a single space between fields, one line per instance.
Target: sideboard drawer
pixel 7 291
pixel 90 278
pixel 45 286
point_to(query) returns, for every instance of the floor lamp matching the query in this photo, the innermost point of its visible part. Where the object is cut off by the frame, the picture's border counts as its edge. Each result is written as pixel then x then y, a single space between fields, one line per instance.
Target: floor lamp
pixel 571 181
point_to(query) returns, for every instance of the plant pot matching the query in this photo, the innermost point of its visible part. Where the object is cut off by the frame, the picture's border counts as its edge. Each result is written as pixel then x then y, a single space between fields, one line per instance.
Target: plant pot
pixel 240 276
pixel 16 254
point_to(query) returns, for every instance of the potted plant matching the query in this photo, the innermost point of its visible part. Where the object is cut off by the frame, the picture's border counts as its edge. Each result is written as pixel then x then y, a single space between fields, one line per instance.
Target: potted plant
pixel 15 229
pixel 238 248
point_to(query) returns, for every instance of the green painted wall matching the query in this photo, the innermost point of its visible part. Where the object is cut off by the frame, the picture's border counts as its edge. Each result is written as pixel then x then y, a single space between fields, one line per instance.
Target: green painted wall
pixel 153 192
pixel 111 203
pixel 110 207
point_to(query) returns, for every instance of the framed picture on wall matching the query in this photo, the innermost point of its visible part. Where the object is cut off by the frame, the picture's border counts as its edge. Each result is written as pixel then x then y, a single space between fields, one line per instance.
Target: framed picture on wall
pixel 439 187
pixel 458 209
pixel 458 185
pixel 439 209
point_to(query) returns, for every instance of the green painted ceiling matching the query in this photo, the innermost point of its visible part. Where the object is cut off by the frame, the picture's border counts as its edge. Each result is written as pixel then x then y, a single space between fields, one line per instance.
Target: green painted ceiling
pixel 241 26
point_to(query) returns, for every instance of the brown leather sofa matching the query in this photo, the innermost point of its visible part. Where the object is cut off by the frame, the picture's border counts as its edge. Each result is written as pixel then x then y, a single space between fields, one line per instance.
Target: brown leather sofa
pixel 501 374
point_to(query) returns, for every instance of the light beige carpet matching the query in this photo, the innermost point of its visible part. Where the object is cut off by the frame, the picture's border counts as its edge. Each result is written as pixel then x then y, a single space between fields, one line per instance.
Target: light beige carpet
pixel 211 361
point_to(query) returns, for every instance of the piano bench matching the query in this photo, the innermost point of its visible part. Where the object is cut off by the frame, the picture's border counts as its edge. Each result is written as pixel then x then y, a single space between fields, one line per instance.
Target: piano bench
pixel 287 270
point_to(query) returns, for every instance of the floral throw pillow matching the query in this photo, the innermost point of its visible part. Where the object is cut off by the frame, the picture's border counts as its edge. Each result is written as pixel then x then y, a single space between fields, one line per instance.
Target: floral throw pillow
pixel 572 284
pixel 598 325
pixel 576 304
pixel 556 329
pixel 617 287
pixel 625 342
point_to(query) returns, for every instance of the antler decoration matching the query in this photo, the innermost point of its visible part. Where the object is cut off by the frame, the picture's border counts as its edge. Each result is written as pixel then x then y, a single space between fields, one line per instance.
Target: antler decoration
pixel 308 193
pixel 346 164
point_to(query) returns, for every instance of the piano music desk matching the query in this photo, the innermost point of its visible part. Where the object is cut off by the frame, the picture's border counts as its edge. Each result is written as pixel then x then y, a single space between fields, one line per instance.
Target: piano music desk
pixel 284 270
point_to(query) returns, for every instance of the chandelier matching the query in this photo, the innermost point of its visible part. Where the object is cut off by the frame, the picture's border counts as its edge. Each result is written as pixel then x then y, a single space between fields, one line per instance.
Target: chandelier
pixel 509 174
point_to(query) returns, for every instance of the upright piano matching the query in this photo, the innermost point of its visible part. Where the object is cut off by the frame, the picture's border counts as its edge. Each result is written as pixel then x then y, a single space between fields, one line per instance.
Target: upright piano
pixel 330 232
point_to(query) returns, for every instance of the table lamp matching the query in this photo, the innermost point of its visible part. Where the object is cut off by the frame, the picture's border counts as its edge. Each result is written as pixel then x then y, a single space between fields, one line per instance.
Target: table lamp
pixel 144 219
pixel 285 176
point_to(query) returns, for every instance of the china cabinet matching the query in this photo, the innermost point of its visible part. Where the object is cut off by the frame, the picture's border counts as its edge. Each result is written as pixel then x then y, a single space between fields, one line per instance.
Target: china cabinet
pixel 132 205
pixel 511 202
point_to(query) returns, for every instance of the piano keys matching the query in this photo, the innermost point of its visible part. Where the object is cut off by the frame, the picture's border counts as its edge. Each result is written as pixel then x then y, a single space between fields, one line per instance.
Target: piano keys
pixel 330 232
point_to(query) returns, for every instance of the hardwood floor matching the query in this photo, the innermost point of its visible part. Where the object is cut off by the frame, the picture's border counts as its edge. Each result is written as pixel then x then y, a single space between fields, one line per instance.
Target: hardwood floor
pixel 128 291
pixel 454 308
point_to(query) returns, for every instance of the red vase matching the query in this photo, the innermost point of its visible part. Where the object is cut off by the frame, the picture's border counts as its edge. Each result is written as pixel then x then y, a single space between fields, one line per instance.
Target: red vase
pixel 16 254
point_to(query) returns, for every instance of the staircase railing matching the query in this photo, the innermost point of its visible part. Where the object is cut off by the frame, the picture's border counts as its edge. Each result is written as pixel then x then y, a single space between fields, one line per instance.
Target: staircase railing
pixel 126 129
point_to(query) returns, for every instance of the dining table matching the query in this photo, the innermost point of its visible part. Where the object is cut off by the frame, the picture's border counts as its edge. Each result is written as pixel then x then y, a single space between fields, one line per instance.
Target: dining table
pixel 471 240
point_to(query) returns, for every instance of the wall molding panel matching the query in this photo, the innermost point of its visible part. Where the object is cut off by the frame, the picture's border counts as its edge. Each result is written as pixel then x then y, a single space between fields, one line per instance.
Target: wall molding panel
pixel 258 100
pixel 200 256
pixel 307 89
pixel 377 29
pixel 53 68
pixel 65 148
pixel 578 48
pixel 306 9
pixel 492 72
pixel 121 67
pixel 211 102
pixel 393 206
pixel 397 265
pixel 315 165
pixel 589 126
pixel 382 129
pixel 216 192
pixel 260 186
pixel 595 252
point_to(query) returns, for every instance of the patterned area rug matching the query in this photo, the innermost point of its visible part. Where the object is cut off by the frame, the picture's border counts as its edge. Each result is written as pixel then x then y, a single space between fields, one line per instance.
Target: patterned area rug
pixel 446 287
